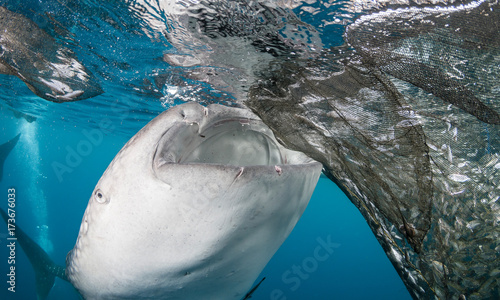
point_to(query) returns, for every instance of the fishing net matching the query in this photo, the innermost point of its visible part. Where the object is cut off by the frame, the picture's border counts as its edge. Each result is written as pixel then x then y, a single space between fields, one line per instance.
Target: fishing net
pixel 404 115
pixel 407 124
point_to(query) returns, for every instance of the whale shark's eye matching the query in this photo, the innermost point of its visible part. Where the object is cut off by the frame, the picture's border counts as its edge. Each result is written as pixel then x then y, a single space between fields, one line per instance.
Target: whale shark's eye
pixel 100 197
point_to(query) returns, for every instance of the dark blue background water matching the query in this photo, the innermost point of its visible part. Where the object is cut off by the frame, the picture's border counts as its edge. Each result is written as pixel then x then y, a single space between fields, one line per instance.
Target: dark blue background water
pixel 49 208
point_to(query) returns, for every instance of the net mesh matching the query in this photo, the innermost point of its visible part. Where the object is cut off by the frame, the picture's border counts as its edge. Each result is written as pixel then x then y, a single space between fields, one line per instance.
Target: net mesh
pixel 408 127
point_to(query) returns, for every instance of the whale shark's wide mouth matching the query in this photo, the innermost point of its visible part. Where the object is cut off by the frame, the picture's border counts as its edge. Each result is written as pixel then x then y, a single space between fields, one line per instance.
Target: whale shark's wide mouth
pixel 235 141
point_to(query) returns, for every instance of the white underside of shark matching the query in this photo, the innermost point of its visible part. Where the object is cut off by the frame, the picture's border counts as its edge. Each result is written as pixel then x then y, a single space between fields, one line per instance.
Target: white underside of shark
pixel 192 207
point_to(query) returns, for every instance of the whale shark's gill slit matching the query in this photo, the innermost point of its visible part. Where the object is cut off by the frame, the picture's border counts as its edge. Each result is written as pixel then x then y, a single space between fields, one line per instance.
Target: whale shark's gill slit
pixel 239 173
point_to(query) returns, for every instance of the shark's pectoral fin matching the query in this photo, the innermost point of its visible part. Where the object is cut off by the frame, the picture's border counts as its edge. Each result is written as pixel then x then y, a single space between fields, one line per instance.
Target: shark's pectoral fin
pixel 5 69
pixel 51 71
pixel 5 149
pixel 45 269
pixel 44 283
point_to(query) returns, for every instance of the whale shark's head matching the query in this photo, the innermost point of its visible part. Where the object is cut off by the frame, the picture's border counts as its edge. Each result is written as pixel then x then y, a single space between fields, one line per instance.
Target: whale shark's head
pixel 193 206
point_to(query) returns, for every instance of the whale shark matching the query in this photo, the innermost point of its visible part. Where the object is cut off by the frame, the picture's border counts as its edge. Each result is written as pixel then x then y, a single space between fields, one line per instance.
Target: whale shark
pixel 49 70
pixel 403 112
pixel 192 207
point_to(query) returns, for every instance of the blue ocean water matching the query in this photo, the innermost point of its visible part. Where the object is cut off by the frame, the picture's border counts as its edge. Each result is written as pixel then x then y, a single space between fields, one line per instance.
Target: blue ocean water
pixel 58 160
pixel 50 211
